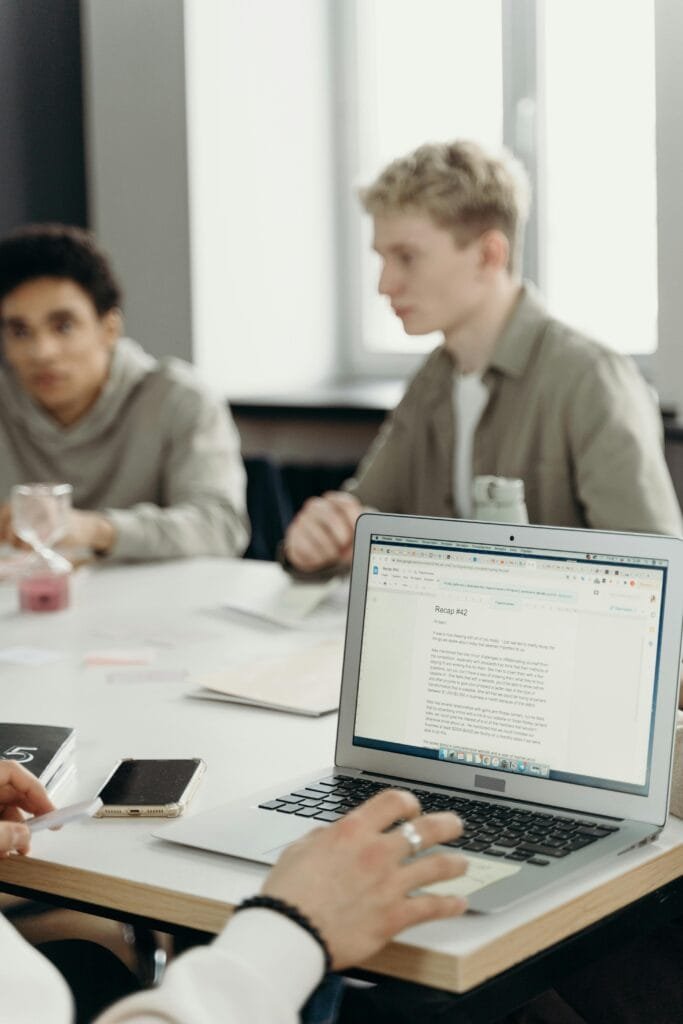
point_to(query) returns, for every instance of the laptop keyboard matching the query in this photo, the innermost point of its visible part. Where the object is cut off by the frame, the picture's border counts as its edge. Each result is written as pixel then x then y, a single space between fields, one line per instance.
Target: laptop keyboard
pixel 492 829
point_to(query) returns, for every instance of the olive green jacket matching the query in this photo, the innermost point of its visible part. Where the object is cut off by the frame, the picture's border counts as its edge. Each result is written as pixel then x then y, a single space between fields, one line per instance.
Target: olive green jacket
pixel 574 420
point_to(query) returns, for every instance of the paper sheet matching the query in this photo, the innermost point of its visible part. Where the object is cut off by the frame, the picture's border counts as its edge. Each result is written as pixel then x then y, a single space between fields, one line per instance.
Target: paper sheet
pixel 33 656
pixel 269 593
pixel 306 683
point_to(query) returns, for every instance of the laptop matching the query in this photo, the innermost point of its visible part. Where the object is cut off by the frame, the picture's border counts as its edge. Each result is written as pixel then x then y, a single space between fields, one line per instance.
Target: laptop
pixel 525 677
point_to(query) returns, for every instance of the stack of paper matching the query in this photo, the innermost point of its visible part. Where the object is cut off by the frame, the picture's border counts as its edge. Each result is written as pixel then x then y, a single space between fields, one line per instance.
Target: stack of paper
pixel 305 683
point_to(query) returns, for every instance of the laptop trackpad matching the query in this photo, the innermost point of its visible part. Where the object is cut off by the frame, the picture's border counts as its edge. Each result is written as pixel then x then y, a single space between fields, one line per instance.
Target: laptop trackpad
pixel 252 834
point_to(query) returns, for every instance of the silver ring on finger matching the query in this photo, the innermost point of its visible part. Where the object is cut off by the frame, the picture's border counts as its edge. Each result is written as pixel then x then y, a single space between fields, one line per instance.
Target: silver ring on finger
pixel 409 832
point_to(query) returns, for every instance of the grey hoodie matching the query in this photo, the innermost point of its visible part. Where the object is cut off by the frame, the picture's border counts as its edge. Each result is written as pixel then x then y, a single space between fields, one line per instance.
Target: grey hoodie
pixel 156 454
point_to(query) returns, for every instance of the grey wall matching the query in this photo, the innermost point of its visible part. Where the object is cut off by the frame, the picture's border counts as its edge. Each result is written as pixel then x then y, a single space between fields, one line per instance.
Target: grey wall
pixel 134 83
pixel 42 174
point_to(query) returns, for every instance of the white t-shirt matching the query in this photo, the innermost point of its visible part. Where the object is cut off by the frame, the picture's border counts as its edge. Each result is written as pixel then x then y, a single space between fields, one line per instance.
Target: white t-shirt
pixel 261 969
pixel 469 401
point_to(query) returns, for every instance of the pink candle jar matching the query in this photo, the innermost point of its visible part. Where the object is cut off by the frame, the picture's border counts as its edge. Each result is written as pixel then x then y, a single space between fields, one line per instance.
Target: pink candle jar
pixel 44 592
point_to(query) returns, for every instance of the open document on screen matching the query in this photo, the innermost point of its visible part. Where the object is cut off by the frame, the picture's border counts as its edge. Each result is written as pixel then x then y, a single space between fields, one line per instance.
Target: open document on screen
pixel 535 662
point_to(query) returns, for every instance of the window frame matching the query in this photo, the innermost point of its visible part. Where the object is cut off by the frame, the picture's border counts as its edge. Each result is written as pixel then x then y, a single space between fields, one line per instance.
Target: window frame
pixel 523 120
pixel 353 359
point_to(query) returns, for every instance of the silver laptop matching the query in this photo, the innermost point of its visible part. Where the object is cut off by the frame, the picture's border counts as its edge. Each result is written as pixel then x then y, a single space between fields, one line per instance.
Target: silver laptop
pixel 526 677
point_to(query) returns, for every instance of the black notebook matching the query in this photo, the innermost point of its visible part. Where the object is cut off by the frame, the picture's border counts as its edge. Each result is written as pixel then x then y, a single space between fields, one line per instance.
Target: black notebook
pixel 43 749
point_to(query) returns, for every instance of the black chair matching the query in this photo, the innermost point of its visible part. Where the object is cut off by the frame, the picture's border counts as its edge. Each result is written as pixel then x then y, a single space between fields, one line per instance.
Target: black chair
pixel 269 507
pixel 275 494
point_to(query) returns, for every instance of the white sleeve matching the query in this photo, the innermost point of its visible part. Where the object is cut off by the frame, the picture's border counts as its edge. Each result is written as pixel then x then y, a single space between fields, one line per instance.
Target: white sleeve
pixel 261 969
pixel 31 988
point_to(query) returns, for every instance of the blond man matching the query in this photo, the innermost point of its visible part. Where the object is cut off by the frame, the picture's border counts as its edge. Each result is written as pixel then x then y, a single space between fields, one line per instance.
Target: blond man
pixel 510 391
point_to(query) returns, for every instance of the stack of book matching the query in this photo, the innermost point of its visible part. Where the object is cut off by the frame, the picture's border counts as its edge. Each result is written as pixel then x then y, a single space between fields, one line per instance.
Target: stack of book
pixel 46 750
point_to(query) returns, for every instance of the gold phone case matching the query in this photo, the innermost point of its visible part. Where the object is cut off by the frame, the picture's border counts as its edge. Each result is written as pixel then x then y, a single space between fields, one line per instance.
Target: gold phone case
pixel 172 810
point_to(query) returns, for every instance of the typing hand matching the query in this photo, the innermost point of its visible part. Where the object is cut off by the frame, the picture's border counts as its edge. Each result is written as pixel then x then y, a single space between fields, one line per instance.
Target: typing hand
pixel 19 791
pixel 321 534
pixel 354 882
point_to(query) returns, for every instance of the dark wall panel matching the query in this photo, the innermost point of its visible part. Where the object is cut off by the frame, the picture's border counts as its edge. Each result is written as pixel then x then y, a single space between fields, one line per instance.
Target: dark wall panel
pixel 42 161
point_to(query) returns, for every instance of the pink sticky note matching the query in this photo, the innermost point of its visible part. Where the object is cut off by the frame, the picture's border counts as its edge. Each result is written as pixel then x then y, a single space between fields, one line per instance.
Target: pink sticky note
pixel 120 656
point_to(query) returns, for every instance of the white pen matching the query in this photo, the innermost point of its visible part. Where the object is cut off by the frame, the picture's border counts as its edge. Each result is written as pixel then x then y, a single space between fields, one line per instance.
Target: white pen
pixel 63 815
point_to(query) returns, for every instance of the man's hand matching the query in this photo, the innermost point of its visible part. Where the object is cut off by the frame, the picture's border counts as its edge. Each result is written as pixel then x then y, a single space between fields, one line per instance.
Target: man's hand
pixel 356 883
pixel 6 535
pixel 19 791
pixel 89 530
pixel 321 533
pixel 85 529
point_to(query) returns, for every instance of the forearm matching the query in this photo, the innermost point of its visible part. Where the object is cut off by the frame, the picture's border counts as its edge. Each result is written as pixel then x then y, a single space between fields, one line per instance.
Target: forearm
pixel 196 503
pixel 147 531
pixel 260 970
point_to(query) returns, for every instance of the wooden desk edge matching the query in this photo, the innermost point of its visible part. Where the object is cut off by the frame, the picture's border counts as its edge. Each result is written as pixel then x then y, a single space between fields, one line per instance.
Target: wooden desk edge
pixel 399 960
pixel 462 973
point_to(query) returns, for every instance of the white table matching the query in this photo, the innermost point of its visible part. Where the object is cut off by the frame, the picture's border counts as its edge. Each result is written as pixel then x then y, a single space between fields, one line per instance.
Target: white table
pixel 117 867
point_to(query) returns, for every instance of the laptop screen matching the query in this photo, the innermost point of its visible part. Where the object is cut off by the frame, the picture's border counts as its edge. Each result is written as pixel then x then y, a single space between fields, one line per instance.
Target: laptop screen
pixel 536 662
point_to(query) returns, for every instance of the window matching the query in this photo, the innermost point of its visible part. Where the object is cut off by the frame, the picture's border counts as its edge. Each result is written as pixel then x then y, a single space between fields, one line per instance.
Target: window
pixel 410 71
pixel 600 245
pixel 569 86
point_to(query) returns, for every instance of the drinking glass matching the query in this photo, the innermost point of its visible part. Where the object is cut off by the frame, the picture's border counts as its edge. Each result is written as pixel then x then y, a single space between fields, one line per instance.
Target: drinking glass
pixel 40 515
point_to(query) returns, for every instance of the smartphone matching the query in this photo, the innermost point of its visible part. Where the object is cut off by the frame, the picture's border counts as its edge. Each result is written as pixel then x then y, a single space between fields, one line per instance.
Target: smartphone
pixel 159 787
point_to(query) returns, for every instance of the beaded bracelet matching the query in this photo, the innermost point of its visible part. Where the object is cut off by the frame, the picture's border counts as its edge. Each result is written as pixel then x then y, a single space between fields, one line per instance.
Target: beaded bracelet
pixel 294 914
